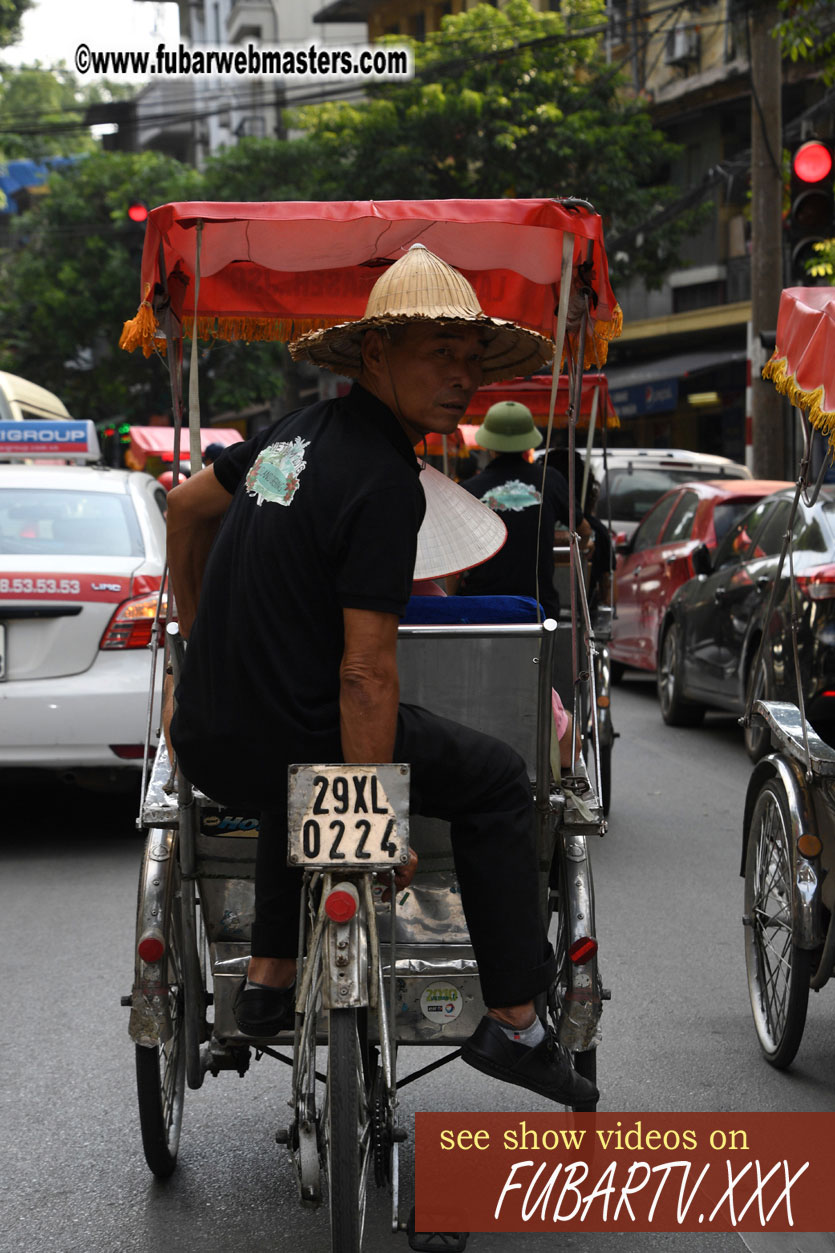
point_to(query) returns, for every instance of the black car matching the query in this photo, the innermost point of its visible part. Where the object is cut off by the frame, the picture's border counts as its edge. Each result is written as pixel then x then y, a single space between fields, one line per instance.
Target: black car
pixel 714 622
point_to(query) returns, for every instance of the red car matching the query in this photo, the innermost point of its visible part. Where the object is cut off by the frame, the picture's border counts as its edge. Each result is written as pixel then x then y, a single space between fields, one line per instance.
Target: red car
pixel 656 560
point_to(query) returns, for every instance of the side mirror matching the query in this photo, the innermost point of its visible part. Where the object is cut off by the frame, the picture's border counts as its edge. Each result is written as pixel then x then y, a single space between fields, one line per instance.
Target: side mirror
pixel 623 542
pixel 700 560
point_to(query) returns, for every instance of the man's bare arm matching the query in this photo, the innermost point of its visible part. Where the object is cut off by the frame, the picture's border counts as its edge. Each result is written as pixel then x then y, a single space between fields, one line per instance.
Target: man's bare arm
pixel 369 691
pixel 195 511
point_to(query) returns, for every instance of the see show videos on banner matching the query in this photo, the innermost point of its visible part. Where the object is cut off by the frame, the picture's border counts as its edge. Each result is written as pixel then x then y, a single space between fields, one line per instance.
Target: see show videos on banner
pixel 624 1172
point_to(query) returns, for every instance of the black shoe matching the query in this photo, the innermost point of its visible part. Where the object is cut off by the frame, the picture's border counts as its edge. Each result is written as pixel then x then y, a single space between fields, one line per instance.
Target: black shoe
pixel 264 1011
pixel 545 1069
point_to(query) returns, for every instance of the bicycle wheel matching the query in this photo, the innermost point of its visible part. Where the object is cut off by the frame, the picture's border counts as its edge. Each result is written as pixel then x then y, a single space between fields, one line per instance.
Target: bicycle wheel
pixel 605 777
pixel 161 1070
pixel 348 1131
pixel 584 1060
pixel 195 960
pixel 778 971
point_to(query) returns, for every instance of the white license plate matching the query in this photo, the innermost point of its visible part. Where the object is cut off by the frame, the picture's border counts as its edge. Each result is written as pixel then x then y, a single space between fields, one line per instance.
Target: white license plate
pixel 349 815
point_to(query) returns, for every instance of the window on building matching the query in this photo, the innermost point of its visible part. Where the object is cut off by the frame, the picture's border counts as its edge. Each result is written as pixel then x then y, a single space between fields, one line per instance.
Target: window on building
pixel 417 26
pixel 698 296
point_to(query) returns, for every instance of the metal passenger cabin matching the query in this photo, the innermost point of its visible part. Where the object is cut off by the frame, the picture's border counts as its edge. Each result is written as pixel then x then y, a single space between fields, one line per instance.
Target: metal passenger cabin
pixel 495 679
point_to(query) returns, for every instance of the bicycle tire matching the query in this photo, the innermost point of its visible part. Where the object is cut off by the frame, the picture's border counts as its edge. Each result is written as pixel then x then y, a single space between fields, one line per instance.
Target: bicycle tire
pixel 605 777
pixel 348 1132
pixel 584 1060
pixel 195 964
pixel 778 970
pixel 161 1070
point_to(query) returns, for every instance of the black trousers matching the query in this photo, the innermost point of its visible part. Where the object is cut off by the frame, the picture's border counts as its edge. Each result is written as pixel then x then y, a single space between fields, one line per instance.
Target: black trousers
pixel 475 782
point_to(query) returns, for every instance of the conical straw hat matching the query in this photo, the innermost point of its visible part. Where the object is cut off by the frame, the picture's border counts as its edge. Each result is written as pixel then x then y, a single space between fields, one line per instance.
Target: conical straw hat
pixel 420 287
pixel 457 532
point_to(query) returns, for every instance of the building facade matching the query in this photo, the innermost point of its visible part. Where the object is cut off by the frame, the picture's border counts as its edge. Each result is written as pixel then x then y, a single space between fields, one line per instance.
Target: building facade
pixel 190 118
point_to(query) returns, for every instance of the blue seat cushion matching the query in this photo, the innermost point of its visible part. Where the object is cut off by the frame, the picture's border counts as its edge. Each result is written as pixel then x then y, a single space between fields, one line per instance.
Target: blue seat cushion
pixel 465 610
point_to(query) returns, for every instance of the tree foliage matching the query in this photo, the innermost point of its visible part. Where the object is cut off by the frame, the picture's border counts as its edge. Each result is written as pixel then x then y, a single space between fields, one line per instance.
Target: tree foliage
pixel 42 112
pixel 11 12
pixel 507 102
pixel 70 277
pixel 807 33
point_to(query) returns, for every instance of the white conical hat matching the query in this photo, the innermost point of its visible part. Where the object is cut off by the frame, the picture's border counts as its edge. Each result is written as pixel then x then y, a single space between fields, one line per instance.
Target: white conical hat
pixel 420 287
pixel 457 532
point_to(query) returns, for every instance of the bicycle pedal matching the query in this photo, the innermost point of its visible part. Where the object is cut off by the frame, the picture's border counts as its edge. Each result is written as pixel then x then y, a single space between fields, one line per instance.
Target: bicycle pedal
pixel 430 1241
pixel 605 994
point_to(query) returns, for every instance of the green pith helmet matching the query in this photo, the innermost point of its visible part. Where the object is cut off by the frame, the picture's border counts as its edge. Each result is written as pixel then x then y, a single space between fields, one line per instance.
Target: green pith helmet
pixel 508 427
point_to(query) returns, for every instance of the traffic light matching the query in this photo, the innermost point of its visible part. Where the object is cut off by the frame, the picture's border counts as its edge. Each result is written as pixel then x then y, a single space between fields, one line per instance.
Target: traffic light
pixel 812 213
pixel 138 212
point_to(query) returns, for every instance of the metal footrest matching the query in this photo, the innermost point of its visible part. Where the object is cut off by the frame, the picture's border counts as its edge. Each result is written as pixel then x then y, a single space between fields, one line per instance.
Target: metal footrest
pixel 431 1241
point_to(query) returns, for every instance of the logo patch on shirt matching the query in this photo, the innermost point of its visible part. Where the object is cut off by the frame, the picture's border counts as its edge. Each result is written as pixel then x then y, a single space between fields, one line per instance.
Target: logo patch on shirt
pixel 514 495
pixel 274 475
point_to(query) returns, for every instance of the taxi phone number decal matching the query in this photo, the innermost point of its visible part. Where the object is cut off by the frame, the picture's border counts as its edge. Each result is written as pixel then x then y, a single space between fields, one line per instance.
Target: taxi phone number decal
pixel 70 587
pixel 88 587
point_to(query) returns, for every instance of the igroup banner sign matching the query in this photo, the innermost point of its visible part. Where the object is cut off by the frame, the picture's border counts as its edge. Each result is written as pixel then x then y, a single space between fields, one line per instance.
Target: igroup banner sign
pixel 624 1172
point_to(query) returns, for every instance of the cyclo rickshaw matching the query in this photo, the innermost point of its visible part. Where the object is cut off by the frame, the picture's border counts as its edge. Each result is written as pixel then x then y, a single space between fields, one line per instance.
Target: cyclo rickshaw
pixel 788 852
pixel 371 976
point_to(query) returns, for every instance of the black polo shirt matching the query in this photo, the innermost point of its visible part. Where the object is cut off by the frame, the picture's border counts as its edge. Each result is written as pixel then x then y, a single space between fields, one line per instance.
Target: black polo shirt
pixel 326 507
pixel 512 487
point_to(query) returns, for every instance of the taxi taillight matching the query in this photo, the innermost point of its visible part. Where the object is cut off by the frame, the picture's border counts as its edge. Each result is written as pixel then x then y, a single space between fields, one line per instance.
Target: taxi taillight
pixel 131 624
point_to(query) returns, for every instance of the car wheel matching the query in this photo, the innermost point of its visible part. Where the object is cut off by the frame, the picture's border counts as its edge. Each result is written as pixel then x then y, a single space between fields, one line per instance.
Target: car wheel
pixel 675 710
pixel 758 687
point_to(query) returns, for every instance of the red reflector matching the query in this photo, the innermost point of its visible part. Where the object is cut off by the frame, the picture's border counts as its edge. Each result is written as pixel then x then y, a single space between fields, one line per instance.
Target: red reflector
pixel 151 947
pixel 128 752
pixel 582 950
pixel 341 903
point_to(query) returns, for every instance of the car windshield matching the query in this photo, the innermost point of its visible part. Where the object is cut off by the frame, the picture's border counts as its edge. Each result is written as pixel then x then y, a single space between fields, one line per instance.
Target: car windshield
pixel 47 522
pixel 628 493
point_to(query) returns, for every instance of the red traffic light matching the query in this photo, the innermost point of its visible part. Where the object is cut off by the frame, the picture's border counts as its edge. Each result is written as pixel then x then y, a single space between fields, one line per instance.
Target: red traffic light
pixel 812 161
pixel 138 211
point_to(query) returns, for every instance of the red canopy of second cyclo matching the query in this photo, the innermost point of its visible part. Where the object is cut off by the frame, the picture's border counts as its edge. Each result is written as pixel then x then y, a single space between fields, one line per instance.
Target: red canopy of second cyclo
pixel 802 365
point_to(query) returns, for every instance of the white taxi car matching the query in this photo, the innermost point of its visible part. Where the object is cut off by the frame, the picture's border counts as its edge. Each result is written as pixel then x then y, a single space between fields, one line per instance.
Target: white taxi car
pixel 82 556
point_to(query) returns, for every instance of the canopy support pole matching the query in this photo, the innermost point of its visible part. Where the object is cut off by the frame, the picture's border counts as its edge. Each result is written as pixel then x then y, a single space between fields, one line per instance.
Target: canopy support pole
pixel 195 447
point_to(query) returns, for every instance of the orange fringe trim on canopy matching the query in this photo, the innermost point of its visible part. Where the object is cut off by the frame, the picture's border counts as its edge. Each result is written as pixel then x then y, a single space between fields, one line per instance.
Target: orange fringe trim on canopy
pixel 139 332
pixel 822 420
pixel 255 329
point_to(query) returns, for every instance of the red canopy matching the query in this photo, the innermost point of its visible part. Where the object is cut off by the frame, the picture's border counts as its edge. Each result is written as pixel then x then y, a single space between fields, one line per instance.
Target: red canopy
pixel 535 392
pixel 158 441
pixel 273 270
pixel 802 365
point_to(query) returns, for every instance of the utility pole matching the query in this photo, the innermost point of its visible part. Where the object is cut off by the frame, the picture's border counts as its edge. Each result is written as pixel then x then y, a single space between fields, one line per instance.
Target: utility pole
pixel 766 233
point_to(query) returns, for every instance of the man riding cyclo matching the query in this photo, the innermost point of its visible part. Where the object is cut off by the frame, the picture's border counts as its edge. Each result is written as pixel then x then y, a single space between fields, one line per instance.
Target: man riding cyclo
pixel 291 561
